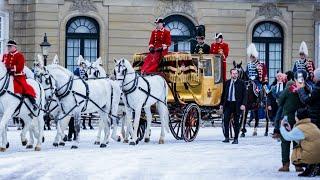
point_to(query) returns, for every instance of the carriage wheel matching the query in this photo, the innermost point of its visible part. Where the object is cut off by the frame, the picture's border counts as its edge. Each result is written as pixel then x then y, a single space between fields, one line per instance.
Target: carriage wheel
pixel 175 125
pixel 142 129
pixel 191 122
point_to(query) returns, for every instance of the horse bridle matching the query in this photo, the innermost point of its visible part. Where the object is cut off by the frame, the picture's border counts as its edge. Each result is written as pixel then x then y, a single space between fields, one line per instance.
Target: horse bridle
pixel 5 84
pixel 96 72
pixel 124 74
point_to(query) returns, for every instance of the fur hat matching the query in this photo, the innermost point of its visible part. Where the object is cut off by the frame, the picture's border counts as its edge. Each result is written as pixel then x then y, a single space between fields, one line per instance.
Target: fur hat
pixel 252 51
pixel 201 31
pixel 303 48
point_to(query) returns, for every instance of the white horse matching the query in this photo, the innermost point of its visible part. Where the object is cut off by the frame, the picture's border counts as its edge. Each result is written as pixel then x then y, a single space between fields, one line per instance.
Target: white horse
pixel 142 92
pixel 32 128
pixel 95 70
pixel 52 106
pixel 12 108
pixel 77 96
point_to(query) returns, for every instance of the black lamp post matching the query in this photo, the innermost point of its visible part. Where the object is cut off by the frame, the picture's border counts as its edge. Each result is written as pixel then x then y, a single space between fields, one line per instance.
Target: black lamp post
pixel 45 46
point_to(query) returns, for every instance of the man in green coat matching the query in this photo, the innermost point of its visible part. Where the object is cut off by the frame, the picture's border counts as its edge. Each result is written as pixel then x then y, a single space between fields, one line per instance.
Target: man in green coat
pixel 289 100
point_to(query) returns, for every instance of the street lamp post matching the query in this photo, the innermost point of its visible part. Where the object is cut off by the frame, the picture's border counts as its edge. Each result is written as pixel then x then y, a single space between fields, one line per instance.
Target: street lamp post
pixel 45 46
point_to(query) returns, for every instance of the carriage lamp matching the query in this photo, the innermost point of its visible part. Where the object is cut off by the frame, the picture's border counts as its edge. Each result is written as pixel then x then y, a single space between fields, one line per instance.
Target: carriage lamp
pixel 45 46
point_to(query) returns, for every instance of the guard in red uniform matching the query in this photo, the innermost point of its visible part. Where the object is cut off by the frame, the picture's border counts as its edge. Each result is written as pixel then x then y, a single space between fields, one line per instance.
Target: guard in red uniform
pixel 222 48
pixel 159 43
pixel 14 61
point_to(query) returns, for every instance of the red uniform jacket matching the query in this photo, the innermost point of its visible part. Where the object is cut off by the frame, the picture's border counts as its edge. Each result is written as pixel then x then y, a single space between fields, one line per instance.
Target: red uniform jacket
pixel 216 48
pixel 15 63
pixel 158 39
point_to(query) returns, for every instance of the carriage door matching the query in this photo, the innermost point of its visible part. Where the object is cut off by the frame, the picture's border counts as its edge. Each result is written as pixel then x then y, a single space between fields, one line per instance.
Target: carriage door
pixel 82 38
pixel 182 33
pixel 268 38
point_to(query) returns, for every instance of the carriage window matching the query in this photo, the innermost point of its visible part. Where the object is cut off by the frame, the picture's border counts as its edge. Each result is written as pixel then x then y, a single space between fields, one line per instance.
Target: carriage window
pixel 207 67
pixel 217 70
pixel 182 32
pixel 82 39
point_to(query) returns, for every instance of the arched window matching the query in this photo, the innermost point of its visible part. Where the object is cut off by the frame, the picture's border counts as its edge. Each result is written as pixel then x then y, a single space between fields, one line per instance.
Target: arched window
pixel 182 32
pixel 82 38
pixel 268 38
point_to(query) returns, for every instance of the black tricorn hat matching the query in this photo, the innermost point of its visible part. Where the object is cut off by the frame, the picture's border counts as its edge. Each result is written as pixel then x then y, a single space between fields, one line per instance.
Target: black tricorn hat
pixel 11 43
pixel 201 31
pixel 159 20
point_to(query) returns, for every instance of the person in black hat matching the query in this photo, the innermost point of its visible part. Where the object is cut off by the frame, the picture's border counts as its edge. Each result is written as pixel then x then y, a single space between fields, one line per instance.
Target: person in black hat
pixel 160 41
pixel 201 46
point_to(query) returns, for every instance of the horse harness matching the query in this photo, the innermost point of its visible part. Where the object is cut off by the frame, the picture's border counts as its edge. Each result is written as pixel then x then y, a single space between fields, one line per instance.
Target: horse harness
pixel 69 85
pixel 4 89
pixel 135 86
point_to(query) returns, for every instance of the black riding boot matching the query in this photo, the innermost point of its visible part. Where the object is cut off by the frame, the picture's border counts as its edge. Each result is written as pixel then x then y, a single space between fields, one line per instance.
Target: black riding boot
pixel 33 102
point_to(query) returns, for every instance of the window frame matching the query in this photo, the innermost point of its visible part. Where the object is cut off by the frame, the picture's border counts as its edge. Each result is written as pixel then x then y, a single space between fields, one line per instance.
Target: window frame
pixel 268 40
pixel 82 37
pixel 190 25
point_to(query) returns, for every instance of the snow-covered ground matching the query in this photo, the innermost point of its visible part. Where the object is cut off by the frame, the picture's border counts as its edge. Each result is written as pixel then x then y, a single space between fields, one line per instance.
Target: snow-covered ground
pixel 205 158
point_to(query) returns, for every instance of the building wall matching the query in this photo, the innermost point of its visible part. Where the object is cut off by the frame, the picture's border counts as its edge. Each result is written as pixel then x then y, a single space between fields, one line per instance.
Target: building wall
pixel 125 25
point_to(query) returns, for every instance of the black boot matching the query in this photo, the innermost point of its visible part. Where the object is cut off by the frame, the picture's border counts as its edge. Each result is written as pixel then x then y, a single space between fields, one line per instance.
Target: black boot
pixel 235 141
pixel 33 102
pixel 226 140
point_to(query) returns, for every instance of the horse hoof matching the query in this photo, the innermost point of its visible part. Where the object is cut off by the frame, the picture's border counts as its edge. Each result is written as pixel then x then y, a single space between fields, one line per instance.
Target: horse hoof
pixel 243 135
pixel 2 149
pixel 96 143
pixel 30 146
pixel 7 145
pixel 24 142
pixel 126 141
pixel 65 138
pixel 265 134
pixel 43 139
pixel 161 141
pixel 119 139
pixel 37 148
pixel 254 134
pixel 55 144
pixel 62 144
pixel 146 140
pixel 74 147
pixel 132 143
pixel 103 145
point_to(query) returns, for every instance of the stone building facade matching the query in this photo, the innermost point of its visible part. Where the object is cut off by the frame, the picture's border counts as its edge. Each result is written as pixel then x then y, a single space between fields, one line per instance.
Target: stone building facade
pixel 120 28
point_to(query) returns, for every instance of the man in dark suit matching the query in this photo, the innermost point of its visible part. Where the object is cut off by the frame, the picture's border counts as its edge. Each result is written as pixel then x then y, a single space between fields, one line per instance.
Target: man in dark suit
pixel 233 102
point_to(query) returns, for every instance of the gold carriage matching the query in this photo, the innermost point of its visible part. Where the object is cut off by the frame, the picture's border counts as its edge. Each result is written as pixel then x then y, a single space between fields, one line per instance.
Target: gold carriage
pixel 196 84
